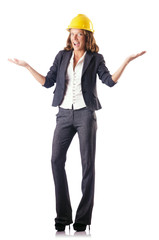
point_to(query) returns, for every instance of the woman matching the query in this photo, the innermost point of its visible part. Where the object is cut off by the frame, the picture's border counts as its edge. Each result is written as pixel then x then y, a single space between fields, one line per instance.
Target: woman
pixel 74 71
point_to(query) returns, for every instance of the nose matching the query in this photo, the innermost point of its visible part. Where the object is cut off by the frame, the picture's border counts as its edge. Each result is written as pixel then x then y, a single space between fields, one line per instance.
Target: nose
pixel 75 37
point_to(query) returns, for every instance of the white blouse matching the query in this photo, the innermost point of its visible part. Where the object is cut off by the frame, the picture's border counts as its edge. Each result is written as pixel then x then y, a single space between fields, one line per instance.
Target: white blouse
pixel 73 96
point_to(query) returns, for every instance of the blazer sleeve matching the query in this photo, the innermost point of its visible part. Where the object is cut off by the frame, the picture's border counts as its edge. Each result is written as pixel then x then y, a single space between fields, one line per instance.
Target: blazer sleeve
pixel 104 74
pixel 50 78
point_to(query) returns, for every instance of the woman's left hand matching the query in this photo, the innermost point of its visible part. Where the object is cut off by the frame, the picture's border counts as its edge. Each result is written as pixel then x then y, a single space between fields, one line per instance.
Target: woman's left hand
pixel 118 73
pixel 132 57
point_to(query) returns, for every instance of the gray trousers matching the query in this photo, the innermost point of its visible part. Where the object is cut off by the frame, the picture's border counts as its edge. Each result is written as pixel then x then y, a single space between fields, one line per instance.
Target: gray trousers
pixel 70 122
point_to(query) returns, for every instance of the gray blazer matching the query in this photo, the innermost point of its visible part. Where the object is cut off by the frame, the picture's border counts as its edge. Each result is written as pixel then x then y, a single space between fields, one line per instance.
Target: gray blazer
pixel 93 64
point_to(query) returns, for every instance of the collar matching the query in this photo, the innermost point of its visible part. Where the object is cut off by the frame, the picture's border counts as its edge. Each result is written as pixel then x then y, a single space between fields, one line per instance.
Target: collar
pixel 81 59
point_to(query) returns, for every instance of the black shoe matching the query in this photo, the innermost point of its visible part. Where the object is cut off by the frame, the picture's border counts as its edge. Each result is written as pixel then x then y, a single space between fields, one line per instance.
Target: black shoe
pixel 60 227
pixel 79 227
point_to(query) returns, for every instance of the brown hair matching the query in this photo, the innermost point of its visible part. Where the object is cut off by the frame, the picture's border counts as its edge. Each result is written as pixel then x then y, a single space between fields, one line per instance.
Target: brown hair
pixel 90 42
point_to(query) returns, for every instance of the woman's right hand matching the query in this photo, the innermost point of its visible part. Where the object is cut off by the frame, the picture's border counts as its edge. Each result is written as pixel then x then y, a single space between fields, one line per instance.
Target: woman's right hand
pixel 40 78
pixel 18 62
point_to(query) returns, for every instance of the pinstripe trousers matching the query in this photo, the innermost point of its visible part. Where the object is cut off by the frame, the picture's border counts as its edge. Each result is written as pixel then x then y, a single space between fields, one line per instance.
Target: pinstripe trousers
pixel 68 123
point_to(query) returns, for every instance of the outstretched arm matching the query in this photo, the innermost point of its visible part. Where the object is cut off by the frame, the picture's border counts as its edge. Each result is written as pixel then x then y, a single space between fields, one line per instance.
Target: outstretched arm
pixel 118 73
pixel 40 78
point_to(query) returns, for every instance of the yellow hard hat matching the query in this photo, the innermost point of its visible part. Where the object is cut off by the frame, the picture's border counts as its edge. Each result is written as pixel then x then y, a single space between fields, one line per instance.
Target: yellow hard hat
pixel 81 21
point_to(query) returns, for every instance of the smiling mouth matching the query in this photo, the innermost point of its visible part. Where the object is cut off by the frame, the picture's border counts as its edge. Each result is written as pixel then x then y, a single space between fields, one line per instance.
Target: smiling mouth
pixel 76 44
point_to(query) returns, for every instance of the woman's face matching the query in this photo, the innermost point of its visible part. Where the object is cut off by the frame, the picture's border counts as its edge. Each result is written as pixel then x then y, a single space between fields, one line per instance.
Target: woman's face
pixel 78 39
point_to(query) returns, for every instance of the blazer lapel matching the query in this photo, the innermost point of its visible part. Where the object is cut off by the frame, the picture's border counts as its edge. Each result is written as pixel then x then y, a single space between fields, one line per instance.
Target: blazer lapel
pixel 63 67
pixel 65 61
pixel 87 60
pixel 66 58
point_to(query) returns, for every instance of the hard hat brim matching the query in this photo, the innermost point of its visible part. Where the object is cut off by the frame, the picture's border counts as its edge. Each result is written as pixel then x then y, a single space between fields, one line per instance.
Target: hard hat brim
pixel 68 29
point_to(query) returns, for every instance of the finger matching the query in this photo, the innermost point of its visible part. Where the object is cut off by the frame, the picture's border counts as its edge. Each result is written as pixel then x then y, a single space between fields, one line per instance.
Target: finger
pixel 143 52
pixel 11 60
pixel 139 54
pixel 16 60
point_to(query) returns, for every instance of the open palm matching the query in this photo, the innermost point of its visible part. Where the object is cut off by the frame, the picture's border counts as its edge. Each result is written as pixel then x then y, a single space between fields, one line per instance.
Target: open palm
pixel 132 57
pixel 18 62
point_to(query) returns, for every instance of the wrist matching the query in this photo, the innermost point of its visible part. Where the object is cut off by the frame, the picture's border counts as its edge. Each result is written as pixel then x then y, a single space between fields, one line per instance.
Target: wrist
pixel 127 60
pixel 27 66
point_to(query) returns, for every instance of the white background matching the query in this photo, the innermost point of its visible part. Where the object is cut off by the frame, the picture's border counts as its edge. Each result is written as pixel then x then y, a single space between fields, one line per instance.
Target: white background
pixel 127 179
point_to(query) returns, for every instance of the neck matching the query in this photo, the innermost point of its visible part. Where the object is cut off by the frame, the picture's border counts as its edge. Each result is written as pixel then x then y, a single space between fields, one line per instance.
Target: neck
pixel 79 54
